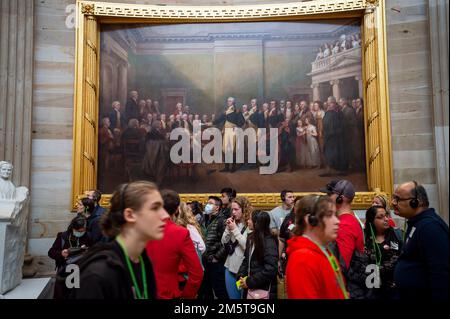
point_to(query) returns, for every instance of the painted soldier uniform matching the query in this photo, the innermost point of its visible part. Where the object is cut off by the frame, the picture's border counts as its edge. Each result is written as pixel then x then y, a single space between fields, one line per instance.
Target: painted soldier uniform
pixel 230 119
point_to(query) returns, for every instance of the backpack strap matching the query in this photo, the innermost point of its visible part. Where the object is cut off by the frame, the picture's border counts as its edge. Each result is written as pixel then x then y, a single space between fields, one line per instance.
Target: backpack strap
pixel 235 243
pixel 334 248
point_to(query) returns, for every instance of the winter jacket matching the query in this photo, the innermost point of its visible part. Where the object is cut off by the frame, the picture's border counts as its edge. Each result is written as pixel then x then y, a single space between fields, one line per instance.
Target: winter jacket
pixel 104 274
pixel 261 276
pixel 422 268
pixel 93 225
pixel 213 241
pixel 167 255
pixel 237 236
pixel 62 242
pixel 309 274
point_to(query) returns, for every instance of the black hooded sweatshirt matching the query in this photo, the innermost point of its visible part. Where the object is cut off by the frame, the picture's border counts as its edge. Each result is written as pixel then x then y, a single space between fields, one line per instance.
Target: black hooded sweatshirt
pixel 104 274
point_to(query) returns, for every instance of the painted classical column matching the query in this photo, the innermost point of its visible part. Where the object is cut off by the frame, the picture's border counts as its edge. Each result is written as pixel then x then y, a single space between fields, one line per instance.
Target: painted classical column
pixel 438 16
pixel 336 89
pixel 360 85
pixel 122 89
pixel 316 92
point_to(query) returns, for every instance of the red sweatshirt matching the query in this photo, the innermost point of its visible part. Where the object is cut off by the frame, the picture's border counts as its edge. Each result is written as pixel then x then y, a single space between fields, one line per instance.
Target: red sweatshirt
pixel 350 237
pixel 309 274
pixel 167 255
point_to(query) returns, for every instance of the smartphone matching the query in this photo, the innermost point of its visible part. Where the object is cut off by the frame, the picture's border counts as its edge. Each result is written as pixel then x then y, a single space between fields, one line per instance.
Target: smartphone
pixel 238 283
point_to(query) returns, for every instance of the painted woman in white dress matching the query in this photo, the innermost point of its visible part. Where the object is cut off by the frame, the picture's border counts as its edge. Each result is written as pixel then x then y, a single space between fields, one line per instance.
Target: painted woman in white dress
pixel 326 51
pixel 312 150
pixel 300 144
pixel 319 55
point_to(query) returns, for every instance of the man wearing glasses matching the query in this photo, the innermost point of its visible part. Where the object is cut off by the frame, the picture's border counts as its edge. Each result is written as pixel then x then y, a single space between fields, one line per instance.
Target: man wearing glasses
pixel 422 268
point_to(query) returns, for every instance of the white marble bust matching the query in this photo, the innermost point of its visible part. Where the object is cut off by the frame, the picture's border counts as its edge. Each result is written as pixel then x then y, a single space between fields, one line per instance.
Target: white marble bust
pixel 13 229
pixel 7 189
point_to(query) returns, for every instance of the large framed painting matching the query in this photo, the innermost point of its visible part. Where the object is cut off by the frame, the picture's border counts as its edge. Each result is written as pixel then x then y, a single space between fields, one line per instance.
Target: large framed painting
pixel 259 98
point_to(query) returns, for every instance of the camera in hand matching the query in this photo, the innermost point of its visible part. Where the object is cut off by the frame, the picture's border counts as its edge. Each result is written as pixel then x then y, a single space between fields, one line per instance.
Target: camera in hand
pixel 230 247
pixel 73 251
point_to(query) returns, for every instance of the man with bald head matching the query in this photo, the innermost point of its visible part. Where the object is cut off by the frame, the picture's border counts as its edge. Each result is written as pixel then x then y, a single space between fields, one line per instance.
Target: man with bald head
pixel 422 268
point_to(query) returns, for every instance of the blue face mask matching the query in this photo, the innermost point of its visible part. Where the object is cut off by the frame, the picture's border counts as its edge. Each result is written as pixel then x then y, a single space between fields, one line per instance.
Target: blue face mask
pixel 209 208
pixel 79 234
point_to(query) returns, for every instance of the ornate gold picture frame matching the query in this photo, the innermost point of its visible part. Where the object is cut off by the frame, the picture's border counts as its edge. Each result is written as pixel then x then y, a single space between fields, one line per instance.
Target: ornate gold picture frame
pixel 90 15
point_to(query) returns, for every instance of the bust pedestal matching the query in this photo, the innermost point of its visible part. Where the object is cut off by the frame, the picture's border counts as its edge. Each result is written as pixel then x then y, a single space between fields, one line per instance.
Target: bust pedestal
pixel 13 234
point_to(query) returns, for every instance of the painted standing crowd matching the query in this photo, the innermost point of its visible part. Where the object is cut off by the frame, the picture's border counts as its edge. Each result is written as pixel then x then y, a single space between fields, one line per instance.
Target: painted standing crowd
pixel 344 43
pixel 327 135
pixel 150 244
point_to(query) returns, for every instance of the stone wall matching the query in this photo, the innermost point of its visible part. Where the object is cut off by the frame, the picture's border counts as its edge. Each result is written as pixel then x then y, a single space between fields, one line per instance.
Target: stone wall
pixel 410 97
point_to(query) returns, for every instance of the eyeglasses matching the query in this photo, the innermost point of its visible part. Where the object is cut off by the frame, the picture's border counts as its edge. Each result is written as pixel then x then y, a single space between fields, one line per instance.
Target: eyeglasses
pixel 399 199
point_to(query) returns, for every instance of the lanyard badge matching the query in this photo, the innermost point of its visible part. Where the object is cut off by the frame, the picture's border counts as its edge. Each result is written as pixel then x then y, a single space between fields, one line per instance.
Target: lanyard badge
pixel 136 291
pixel 336 269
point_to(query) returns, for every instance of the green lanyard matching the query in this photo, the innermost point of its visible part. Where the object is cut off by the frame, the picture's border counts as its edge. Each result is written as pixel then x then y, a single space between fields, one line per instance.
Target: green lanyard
pixel 133 277
pixel 335 266
pixel 376 248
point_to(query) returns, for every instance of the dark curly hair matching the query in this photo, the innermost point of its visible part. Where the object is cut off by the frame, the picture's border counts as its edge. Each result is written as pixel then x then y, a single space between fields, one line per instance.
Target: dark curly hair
pixel 369 226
